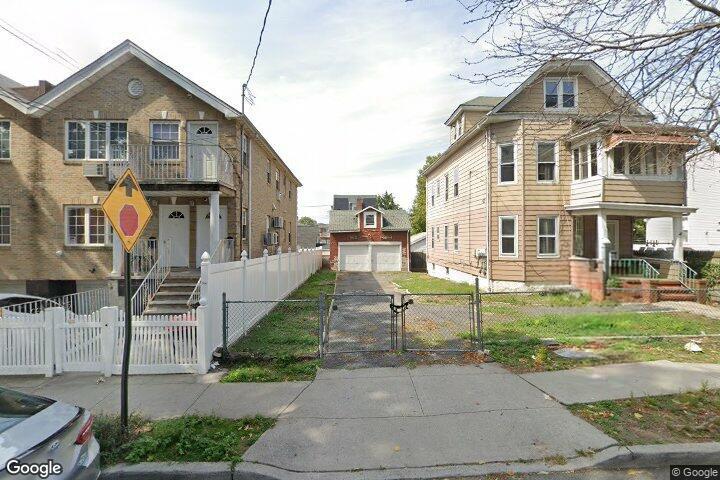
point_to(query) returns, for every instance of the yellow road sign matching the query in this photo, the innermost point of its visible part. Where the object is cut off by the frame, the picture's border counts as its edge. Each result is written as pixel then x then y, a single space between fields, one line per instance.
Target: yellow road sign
pixel 127 209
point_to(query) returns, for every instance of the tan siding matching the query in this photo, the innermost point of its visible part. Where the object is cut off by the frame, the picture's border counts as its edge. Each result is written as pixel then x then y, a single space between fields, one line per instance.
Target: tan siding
pixel 644 191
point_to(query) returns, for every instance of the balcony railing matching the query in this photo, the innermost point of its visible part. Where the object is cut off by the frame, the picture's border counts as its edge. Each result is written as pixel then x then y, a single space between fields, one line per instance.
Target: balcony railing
pixel 171 163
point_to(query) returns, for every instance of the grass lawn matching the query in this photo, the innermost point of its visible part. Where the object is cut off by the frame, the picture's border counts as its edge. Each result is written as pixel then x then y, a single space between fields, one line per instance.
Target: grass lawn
pixel 681 418
pixel 285 341
pixel 417 282
pixel 184 439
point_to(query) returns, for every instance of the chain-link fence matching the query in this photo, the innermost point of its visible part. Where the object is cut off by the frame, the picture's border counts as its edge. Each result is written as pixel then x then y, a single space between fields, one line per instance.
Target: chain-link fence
pixel 363 322
pixel 439 322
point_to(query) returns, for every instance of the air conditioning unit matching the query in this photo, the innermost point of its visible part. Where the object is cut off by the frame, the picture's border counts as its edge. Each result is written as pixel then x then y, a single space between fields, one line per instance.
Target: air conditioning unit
pixel 95 169
pixel 278 222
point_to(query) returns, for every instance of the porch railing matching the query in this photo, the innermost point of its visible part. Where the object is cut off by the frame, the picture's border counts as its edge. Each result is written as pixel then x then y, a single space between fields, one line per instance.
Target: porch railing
pixel 686 275
pixel 152 281
pixel 633 267
pixel 144 255
pixel 167 163
pixel 81 306
pixel 224 252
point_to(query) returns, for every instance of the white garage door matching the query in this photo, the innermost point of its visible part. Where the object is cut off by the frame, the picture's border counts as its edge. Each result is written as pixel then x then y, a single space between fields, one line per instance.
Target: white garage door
pixel 354 258
pixel 386 258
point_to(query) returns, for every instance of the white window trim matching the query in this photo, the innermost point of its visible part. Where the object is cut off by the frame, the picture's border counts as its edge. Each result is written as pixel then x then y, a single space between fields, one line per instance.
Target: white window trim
pixel 555 254
pixel 598 160
pixel 9 122
pixel 500 236
pixel 661 155
pixel 10 225
pixel 456 237
pixel 560 81
pixel 87 208
pixel 87 139
pixel 556 154
pixel 366 224
pixel 445 239
pixel 579 220
pixel 515 164
pixel 161 142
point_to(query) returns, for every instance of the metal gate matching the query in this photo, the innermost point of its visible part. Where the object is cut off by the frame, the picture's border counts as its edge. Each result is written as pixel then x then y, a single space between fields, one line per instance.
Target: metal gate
pixel 362 322
pixel 440 322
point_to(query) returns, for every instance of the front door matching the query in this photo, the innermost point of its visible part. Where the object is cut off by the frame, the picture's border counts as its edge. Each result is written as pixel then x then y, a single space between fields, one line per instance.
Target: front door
pixel 613 228
pixel 202 223
pixel 202 154
pixel 175 226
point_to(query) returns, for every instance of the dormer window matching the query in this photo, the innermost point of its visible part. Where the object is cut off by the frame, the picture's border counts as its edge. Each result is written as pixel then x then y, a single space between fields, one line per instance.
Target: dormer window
pixel 369 220
pixel 560 93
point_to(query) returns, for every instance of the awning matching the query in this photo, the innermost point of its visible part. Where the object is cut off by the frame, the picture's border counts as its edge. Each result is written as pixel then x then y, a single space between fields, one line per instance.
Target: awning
pixel 615 139
pixel 641 210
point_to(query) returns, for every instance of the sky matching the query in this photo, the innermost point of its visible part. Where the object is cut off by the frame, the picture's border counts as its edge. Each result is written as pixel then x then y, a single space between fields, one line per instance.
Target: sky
pixel 352 94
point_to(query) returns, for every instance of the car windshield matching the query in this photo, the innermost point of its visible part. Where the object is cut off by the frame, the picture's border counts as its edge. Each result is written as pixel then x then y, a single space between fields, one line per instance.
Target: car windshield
pixel 16 407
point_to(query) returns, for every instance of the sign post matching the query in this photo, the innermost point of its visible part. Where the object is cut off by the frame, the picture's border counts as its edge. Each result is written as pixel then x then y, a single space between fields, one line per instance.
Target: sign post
pixel 128 212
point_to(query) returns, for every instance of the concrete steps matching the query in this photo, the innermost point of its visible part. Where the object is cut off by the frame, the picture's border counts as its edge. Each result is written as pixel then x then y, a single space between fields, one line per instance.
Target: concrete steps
pixel 172 296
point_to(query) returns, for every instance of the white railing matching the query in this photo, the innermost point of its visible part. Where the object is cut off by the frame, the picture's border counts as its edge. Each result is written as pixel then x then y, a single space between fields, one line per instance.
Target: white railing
pixel 172 163
pixel 79 307
pixel 143 256
pixel 224 252
pixel 686 275
pixel 152 281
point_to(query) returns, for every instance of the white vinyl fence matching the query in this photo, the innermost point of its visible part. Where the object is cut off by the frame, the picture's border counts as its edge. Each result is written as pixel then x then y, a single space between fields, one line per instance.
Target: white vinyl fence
pixel 270 277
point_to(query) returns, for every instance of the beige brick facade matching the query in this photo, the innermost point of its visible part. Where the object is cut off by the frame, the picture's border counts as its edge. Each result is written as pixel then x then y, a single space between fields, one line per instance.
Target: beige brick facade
pixel 38 181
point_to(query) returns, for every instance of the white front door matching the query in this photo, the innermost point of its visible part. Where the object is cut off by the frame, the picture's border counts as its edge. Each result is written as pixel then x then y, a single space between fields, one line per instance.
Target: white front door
pixel 175 226
pixel 202 150
pixel 202 224
pixel 354 257
pixel 613 228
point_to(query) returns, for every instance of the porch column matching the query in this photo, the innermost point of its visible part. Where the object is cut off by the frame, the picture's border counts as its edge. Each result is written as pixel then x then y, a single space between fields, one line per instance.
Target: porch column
pixel 602 237
pixel 678 253
pixel 117 255
pixel 214 219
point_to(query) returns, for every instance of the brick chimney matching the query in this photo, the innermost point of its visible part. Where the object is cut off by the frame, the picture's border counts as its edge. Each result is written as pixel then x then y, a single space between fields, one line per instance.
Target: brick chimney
pixel 359 204
pixel 44 86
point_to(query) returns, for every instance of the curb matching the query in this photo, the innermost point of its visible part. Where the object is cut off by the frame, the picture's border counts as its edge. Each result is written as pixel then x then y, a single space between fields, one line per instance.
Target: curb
pixel 612 458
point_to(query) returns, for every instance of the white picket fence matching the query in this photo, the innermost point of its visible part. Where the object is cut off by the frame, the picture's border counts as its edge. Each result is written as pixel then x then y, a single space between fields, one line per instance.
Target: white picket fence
pixel 47 343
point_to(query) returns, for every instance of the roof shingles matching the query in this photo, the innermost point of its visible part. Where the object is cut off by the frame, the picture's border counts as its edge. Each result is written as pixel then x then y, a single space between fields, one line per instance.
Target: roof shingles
pixel 346 220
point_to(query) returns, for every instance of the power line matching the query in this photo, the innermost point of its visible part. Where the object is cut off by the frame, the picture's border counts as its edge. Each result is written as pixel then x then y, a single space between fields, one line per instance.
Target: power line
pixel 30 41
pixel 250 96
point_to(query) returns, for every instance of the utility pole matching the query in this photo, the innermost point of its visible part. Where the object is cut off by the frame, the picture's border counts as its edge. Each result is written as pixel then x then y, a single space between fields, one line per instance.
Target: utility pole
pixel 244 87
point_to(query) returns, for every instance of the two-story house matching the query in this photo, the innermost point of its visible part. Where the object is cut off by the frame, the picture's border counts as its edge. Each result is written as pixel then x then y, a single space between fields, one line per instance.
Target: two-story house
pixel 541 187
pixel 213 180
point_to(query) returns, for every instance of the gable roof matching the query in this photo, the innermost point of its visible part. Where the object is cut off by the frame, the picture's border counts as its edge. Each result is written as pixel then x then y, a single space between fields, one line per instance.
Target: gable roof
pixel 346 220
pixel 482 103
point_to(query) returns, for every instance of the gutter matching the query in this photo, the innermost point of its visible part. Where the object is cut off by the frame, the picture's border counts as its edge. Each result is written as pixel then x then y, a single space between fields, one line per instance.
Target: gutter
pixel 488 214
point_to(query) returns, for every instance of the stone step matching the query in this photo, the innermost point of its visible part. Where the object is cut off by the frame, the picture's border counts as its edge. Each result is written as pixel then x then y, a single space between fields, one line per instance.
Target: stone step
pixel 677 297
pixel 176 285
pixel 151 310
pixel 169 302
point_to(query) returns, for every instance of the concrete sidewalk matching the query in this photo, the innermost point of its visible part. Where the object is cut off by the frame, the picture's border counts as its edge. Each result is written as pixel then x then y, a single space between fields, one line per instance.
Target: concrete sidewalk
pixel 164 396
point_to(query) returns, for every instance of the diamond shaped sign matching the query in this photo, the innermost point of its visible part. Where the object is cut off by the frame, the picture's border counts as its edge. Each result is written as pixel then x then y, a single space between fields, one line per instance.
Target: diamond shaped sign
pixel 127 209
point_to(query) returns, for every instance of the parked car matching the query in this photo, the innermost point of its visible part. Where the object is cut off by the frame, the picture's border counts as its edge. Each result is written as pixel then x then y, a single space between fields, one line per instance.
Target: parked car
pixel 43 436
pixel 19 303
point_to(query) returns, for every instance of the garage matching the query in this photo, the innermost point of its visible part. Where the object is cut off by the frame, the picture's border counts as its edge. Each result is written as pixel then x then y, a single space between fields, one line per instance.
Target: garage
pixel 369 257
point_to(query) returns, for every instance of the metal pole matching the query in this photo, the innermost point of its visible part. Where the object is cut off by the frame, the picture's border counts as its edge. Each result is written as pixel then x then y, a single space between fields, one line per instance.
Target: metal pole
pixel 478 315
pixel 126 346
pixel 321 325
pixel 225 323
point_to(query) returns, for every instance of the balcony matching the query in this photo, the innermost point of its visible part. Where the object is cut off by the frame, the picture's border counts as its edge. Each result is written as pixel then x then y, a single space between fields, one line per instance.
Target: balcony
pixel 171 163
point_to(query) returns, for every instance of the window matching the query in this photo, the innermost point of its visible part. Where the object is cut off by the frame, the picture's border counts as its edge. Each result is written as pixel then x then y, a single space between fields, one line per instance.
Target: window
pixel 447 186
pixel 245 150
pixel 585 161
pixel 651 160
pixel 508 236
pixel 4 225
pixel 560 93
pixel 578 236
pixel 546 162
pixel 165 138
pixel 547 236
pixel 432 237
pixel 446 237
pixel 619 160
pixel 86 226
pixel 369 220
pixel 456 237
pixel 593 159
pixel 506 173
pixel 635 159
pixel 244 223
pixel 4 140
pixel 267 172
pixel 432 195
pixel 290 192
pixel 456 182
pixel 277 179
pixel 96 140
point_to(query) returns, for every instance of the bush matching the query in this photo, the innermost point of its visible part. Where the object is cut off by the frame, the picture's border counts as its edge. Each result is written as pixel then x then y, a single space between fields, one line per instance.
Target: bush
pixel 711 272
pixel 613 282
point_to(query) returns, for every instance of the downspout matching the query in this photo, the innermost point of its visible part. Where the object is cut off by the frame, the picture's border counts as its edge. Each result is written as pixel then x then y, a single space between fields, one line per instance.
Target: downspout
pixel 488 215
pixel 242 180
pixel 521 182
pixel 249 215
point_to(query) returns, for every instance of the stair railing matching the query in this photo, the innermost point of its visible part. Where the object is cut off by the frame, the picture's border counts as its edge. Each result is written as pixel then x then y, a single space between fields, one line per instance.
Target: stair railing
pixel 224 252
pixel 686 275
pixel 635 267
pixel 152 281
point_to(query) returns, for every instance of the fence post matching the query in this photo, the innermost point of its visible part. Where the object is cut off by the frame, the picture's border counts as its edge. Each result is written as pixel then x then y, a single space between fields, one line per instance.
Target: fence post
pixel 203 336
pixel 478 316
pixel 224 324
pixel 243 259
pixel 204 275
pixel 52 316
pixel 298 276
pixel 321 324
pixel 279 276
pixel 265 274
pixel 109 318
pixel 58 336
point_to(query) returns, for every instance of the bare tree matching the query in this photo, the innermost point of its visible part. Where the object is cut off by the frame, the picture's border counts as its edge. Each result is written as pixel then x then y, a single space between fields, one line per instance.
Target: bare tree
pixel 666 53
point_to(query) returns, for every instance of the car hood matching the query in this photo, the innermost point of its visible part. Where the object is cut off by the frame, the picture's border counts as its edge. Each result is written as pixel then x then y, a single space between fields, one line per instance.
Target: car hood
pixel 34 430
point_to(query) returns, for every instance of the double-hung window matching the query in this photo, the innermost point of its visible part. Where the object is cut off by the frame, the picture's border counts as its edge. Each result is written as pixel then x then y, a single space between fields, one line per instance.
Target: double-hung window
pixel 447 186
pixel 96 140
pixel 432 195
pixel 432 237
pixel 165 138
pixel 456 237
pixel 508 236
pixel 456 182
pixel 369 220
pixel 585 160
pixel 4 139
pixel 578 236
pixel 267 172
pixel 446 237
pixel 506 171
pixel 244 223
pixel 4 225
pixel 560 93
pixel 546 162
pixel 86 226
pixel 245 150
pixel 277 179
pixel 547 236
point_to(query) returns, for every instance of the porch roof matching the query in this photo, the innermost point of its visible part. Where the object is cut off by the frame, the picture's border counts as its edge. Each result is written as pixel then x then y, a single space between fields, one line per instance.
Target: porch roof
pixel 644 210
pixel 615 139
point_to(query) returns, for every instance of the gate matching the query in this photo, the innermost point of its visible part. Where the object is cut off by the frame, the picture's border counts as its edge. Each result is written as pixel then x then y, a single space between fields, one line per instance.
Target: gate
pixel 440 322
pixel 363 322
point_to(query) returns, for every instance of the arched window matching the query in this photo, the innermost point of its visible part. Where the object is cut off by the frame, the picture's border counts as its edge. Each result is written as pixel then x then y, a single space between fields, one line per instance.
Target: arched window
pixel 176 214
pixel 207 217
pixel 204 131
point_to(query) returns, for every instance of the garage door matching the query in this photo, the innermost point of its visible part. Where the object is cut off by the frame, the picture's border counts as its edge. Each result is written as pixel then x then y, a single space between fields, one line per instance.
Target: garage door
pixel 354 258
pixel 386 258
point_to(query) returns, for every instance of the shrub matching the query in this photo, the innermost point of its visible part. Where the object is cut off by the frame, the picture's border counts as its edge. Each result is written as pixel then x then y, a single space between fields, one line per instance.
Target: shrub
pixel 711 272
